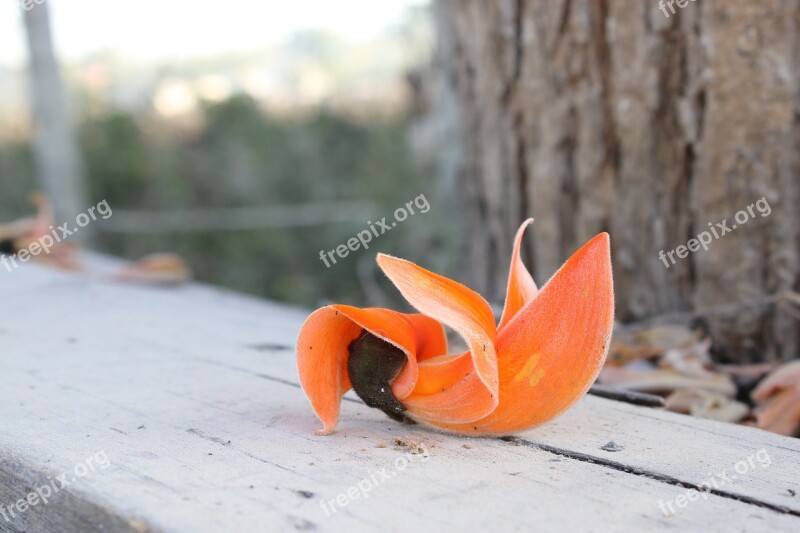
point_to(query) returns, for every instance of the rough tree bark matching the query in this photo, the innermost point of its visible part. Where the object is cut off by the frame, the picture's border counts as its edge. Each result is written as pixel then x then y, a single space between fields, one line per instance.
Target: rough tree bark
pixel 607 115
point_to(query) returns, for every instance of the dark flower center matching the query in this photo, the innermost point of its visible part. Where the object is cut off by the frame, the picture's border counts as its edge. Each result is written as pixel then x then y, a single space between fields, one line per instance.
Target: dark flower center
pixel 7 247
pixel 372 365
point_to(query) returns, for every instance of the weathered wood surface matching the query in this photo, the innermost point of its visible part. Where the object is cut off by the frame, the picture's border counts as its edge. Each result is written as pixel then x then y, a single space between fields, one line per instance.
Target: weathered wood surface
pixel 192 395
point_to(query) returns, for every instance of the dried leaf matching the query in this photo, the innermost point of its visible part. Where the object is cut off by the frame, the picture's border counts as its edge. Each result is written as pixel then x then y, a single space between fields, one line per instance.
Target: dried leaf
pixel 158 269
pixel 22 233
pixel 691 360
pixel 666 337
pixel 778 399
pixel 707 404
pixel 664 381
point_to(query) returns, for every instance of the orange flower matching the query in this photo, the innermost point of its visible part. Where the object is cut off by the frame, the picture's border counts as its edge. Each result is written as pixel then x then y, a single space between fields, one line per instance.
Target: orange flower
pixel 542 357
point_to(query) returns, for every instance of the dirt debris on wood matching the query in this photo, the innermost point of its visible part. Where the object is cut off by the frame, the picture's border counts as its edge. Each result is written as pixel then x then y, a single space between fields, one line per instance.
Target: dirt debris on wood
pixel 410 445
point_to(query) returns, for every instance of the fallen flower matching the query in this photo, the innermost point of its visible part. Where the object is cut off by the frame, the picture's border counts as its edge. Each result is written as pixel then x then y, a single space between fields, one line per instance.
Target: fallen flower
pixel 24 233
pixel 157 269
pixel 543 356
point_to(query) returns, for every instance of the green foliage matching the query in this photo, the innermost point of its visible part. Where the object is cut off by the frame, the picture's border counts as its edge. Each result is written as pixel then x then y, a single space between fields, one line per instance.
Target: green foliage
pixel 17 179
pixel 237 156
pixel 116 156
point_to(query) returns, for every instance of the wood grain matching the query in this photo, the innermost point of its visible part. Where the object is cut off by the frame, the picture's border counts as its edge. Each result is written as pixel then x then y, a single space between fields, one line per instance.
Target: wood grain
pixel 192 394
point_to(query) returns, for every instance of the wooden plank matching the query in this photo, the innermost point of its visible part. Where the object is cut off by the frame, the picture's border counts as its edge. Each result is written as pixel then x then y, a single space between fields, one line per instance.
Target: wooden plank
pixel 191 394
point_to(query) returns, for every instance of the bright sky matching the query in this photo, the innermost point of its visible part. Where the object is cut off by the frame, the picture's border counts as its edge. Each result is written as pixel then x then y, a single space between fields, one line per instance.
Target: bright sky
pixel 175 29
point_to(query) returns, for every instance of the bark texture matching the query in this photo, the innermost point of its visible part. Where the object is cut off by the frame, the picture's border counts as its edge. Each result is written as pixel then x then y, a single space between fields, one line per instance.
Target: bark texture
pixel 607 115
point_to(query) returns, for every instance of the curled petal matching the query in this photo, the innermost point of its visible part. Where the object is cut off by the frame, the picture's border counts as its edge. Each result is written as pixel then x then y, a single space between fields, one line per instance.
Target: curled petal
pixel 418 336
pixel 323 351
pixel 449 391
pixel 465 397
pixel 322 362
pixel 521 287
pixel 552 350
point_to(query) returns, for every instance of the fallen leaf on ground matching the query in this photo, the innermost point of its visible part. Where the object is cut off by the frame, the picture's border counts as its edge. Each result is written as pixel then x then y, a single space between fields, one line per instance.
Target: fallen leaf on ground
pixel 648 343
pixel 665 337
pixel 778 400
pixel 21 234
pixel 664 381
pixel 157 269
pixel 689 360
pixel 707 404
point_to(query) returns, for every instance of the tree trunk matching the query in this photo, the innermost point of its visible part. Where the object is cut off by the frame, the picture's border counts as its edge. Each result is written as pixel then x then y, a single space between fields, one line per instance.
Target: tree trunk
pixel 57 154
pixel 608 115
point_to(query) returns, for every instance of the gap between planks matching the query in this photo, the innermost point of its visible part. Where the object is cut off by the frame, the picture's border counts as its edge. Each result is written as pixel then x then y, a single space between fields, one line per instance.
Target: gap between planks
pixel 577 456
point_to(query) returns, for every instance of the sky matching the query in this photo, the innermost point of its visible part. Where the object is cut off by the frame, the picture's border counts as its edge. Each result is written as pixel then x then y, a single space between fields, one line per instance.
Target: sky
pixel 176 29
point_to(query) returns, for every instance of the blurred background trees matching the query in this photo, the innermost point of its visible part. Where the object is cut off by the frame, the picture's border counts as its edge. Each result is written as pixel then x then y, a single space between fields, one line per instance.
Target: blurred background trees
pixel 589 115
pixel 58 158
pixel 316 118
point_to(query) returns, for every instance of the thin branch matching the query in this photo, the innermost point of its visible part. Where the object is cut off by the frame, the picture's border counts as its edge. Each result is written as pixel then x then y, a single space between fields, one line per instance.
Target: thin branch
pixel 235 219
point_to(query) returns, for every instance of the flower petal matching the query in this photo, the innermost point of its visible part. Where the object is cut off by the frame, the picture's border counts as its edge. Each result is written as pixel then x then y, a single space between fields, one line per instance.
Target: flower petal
pixel 521 287
pixel 419 336
pixel 467 396
pixel 552 350
pixel 322 352
pixel 449 391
